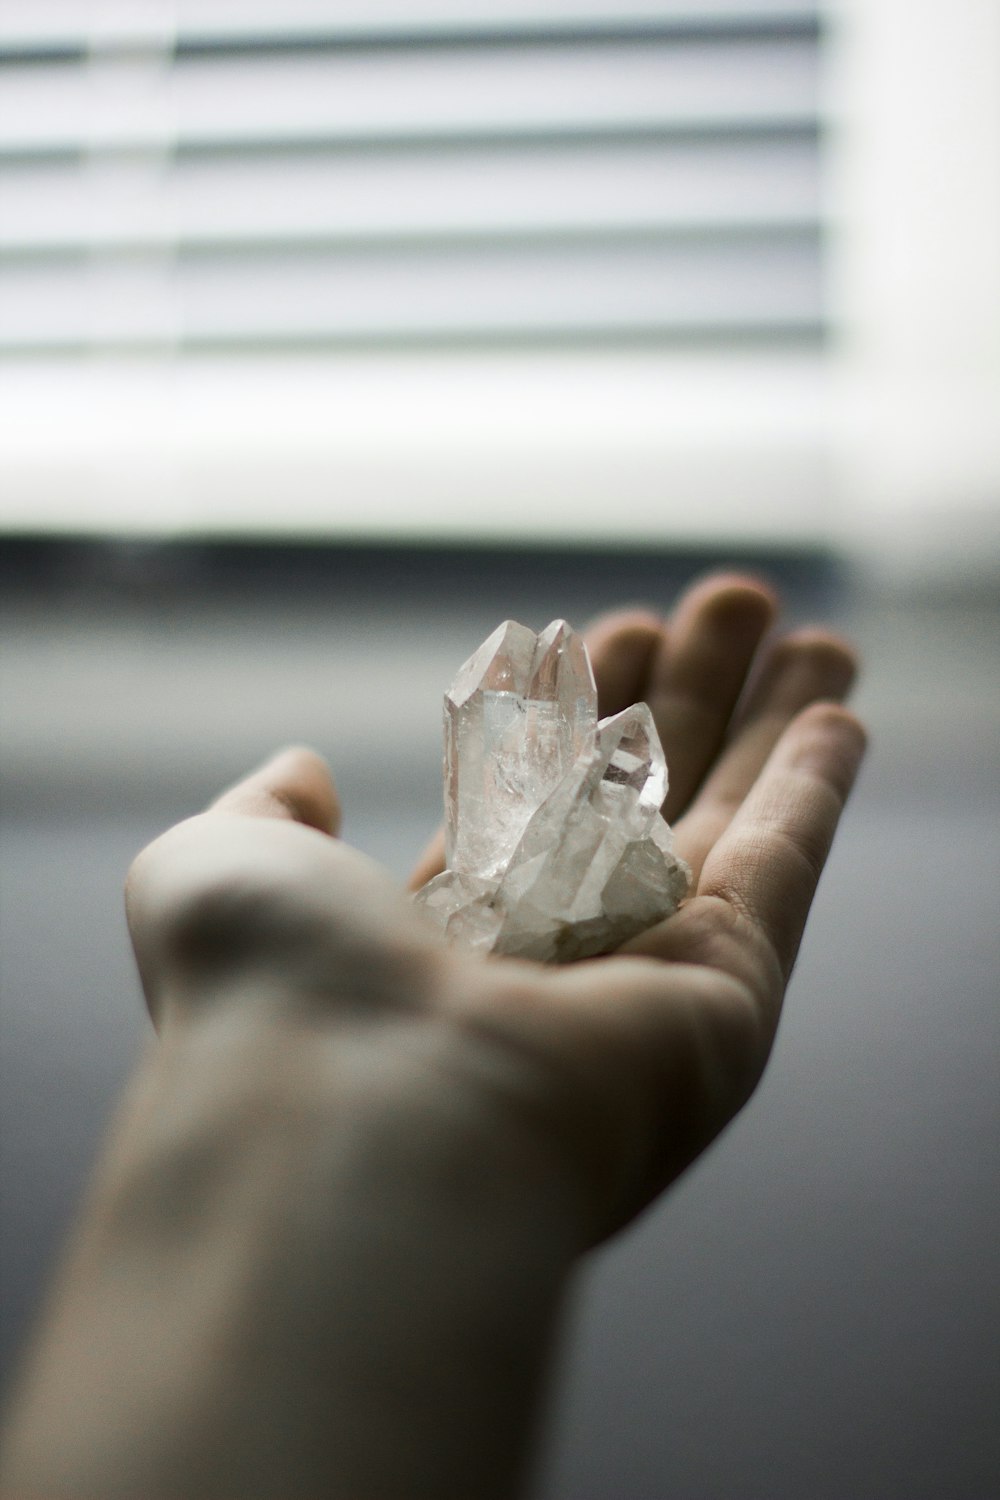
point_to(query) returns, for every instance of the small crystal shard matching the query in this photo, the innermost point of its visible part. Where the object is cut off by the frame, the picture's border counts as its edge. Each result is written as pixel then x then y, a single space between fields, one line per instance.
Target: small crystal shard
pixel 555 845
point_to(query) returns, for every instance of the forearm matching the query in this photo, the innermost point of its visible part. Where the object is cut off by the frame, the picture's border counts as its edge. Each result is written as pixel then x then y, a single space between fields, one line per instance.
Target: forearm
pixel 308 1266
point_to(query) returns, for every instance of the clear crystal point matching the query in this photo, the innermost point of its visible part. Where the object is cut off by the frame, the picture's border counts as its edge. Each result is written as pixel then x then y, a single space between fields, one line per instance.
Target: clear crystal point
pixel 555 845
pixel 517 716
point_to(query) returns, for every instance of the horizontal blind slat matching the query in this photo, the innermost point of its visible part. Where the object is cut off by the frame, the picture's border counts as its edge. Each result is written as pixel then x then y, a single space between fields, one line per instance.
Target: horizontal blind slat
pixel 68 25
pixel 357 297
pixel 127 106
pixel 491 191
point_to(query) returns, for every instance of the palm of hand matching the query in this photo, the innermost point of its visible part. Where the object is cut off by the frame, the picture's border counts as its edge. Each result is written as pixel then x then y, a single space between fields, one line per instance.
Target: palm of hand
pixel 627 1066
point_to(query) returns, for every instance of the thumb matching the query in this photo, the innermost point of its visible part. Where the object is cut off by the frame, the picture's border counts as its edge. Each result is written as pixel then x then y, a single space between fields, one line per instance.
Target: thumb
pixel 294 784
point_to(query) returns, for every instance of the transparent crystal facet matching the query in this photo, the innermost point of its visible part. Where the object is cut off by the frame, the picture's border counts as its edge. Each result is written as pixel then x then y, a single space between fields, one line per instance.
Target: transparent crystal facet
pixel 555 845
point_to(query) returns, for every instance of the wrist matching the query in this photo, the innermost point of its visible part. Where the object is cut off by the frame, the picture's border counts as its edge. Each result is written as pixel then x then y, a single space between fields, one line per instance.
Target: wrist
pixel 334 1219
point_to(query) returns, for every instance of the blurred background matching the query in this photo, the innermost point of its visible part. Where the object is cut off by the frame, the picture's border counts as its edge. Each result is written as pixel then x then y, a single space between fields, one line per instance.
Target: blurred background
pixel 332 332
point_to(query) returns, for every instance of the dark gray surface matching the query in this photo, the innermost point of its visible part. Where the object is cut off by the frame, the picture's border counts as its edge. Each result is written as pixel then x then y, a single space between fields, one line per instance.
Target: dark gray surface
pixel 812 1313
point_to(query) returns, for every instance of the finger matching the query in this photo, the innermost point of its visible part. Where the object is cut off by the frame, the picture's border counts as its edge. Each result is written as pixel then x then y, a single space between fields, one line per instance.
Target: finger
pixel 767 864
pixel 294 784
pixel 809 666
pixel 699 673
pixel 691 673
pixel 622 647
pixel 430 863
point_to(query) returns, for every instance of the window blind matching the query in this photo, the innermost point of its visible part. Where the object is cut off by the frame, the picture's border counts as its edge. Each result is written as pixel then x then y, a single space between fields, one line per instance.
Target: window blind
pixel 261 176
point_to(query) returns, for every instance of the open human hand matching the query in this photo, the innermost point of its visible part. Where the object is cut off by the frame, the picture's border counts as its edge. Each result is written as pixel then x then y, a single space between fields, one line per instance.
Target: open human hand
pixel 621 1069
pixel 327 1245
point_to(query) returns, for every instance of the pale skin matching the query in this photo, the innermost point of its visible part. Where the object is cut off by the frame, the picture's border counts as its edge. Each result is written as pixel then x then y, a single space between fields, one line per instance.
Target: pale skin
pixel 327 1245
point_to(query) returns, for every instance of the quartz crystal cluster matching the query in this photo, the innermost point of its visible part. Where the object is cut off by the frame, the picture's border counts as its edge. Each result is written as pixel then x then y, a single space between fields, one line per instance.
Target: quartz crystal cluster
pixel 555 846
